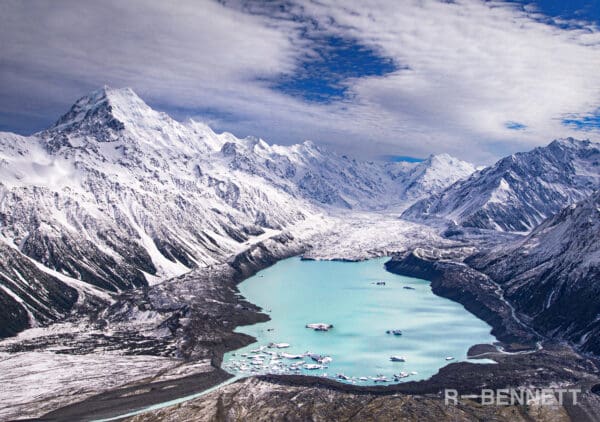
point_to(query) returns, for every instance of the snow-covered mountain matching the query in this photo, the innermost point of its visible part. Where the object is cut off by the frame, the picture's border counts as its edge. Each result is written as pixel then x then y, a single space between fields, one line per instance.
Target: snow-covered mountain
pixel 433 175
pixel 327 178
pixel 116 196
pixel 553 275
pixel 519 191
pixel 307 171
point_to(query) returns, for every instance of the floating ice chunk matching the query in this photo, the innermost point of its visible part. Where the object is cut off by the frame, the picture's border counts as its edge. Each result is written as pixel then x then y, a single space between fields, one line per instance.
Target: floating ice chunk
pixel 290 356
pixel 312 366
pixel 279 345
pixel 320 326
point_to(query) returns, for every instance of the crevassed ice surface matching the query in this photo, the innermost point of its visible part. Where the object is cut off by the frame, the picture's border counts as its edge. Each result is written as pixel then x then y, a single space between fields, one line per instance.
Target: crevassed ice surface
pixel 295 292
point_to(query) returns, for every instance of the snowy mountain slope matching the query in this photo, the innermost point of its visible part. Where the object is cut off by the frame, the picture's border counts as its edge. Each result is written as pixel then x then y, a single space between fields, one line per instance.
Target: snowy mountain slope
pixel 28 295
pixel 308 171
pixel 519 191
pixel 327 178
pixel 32 294
pixel 117 195
pixel 434 175
pixel 553 275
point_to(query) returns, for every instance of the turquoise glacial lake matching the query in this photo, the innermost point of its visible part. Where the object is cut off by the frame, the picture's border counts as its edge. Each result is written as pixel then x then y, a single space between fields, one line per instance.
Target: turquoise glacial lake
pixel 345 294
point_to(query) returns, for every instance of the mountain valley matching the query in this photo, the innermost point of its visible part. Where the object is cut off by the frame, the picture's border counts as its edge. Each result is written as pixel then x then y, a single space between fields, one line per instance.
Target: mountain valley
pixel 124 233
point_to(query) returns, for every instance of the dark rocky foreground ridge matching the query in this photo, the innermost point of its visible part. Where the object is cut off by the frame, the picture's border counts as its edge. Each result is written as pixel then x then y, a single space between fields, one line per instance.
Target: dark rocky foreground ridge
pixel 199 312
pixel 268 399
pixel 14 318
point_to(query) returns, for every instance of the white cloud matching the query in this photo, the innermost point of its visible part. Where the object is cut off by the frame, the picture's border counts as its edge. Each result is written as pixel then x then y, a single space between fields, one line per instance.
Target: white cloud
pixel 474 66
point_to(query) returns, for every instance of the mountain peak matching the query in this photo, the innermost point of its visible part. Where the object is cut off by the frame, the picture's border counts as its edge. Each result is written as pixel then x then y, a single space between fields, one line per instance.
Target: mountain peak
pixel 122 97
pixel 437 172
pixel 440 157
pixel 444 159
pixel 569 141
pixel 571 144
pixel 539 183
pixel 105 112
pixel 446 162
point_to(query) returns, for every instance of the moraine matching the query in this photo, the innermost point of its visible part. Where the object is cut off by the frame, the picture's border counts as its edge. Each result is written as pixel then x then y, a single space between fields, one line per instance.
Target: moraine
pixel 353 298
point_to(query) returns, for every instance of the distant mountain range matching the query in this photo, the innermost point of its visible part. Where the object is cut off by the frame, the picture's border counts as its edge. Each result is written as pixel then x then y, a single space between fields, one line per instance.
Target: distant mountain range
pixel 519 191
pixel 116 196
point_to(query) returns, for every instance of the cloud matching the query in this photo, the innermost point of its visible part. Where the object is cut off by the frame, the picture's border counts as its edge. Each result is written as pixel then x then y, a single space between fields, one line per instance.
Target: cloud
pixel 465 71
pixel 179 52
pixel 475 66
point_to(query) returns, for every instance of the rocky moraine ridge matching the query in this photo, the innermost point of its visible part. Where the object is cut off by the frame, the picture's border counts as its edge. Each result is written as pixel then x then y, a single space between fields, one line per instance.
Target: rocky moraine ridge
pixel 548 280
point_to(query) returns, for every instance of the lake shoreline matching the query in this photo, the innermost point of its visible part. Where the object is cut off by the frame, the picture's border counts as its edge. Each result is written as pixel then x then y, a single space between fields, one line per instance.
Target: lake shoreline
pixel 472 289
pixel 224 337
pixel 510 370
pixel 364 302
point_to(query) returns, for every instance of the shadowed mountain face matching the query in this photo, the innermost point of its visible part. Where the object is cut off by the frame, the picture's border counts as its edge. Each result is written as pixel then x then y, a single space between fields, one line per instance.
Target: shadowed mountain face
pixel 553 275
pixel 29 295
pixel 519 191
pixel 116 196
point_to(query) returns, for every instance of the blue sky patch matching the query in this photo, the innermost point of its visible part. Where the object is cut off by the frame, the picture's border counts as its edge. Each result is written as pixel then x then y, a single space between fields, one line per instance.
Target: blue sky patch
pixel 323 76
pixel 583 122
pixel 323 73
pixel 581 10
pixel 515 125
pixel 402 158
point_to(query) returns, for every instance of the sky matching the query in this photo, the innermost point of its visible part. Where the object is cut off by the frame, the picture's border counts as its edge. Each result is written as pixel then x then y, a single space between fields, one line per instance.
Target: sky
pixel 394 79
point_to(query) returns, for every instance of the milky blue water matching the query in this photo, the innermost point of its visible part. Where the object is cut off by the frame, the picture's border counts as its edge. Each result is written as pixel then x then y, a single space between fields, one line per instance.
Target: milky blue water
pixel 295 292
